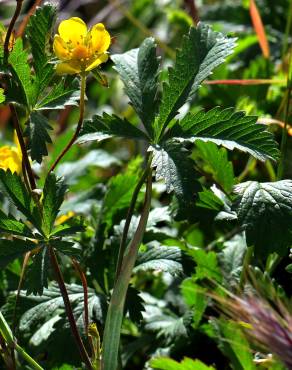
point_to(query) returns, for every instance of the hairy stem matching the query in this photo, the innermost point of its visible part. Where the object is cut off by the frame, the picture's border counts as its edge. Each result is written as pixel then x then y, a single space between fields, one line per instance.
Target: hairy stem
pixel 128 220
pixel 79 124
pixel 112 332
pixel 68 308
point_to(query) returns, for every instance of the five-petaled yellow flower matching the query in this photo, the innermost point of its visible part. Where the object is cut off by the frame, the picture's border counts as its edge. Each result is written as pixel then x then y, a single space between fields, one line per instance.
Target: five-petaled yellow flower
pixel 11 157
pixel 80 50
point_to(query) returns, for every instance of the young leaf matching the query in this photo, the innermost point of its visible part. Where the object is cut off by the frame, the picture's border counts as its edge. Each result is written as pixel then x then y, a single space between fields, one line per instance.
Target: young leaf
pixel 16 191
pixel 53 196
pixel 216 163
pixel 164 363
pixel 264 210
pixel 138 69
pixel 101 128
pixel 202 51
pixel 37 273
pixel 176 169
pixel 2 96
pixel 9 224
pixel 38 137
pixel 18 60
pixel 38 31
pixel 229 129
pixel 12 249
pixel 167 259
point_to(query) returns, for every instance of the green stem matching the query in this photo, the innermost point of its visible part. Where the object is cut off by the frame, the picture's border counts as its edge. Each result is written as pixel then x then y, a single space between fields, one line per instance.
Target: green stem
pixel 79 124
pixel 112 332
pixel 284 131
pixel 246 262
pixel 7 335
pixel 287 31
pixel 68 309
pixel 128 220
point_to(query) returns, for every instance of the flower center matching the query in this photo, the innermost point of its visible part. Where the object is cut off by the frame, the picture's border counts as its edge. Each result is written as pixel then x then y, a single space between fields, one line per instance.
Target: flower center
pixel 80 52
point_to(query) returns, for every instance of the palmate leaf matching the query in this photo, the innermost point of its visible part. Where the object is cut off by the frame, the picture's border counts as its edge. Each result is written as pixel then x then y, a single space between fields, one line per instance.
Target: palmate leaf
pixel 138 68
pixel 38 137
pixel 12 249
pixel 229 129
pixel 9 224
pixel 177 170
pixel 19 196
pixel 100 128
pixel 38 30
pixel 264 210
pixel 202 51
pixel 53 196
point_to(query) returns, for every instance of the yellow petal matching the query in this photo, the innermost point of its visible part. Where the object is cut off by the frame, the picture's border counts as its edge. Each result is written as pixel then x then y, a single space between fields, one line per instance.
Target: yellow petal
pixel 73 31
pixel 60 48
pixel 10 159
pixel 68 68
pixel 101 59
pixel 99 39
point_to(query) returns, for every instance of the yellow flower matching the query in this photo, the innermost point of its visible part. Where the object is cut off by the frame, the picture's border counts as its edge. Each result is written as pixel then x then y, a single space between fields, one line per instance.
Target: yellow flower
pixel 11 157
pixel 78 49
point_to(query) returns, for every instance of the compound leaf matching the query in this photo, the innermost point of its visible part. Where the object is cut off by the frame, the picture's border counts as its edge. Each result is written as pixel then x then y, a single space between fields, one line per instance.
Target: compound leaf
pixel 12 249
pixel 37 273
pixel 9 224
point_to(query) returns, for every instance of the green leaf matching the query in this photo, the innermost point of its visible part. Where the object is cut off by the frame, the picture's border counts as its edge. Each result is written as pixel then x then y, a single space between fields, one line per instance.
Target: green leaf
pixel 18 60
pixel 216 163
pixel 164 363
pixel 207 264
pixel 138 69
pixel 264 210
pixel 229 129
pixel 207 199
pixel 160 258
pixel 38 137
pixel 17 193
pixel 101 128
pixel 39 31
pixel 202 51
pixel 66 92
pixel 70 227
pixel 177 170
pixel 37 273
pixel 12 249
pixel 2 96
pixel 10 225
pixel 53 196
pixel 67 248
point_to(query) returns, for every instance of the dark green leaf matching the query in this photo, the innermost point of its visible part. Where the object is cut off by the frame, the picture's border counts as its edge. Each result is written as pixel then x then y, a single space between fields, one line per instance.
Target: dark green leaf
pixel 69 227
pixel 138 69
pixel 53 196
pixel 228 128
pixel 12 249
pixel 60 96
pixel 216 163
pixel 38 137
pixel 134 305
pixel 160 258
pixel 17 193
pixel 68 248
pixel 39 31
pixel 101 128
pixel 18 60
pixel 202 51
pixel 264 210
pixel 37 273
pixel 177 170
pixel 9 224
